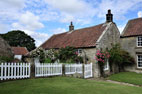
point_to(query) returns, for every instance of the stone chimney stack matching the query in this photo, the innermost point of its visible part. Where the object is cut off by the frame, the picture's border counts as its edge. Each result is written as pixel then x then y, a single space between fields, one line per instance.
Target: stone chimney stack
pixel 71 27
pixel 109 16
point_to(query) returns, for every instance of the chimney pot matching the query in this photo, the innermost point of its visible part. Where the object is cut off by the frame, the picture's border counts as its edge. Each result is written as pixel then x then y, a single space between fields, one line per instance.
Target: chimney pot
pixel 109 16
pixel 71 27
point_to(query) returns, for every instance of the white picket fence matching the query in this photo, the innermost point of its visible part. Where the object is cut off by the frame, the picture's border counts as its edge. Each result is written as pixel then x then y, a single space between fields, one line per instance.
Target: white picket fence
pixel 88 70
pixel 42 70
pixel 73 68
pixel 22 70
pixel 14 70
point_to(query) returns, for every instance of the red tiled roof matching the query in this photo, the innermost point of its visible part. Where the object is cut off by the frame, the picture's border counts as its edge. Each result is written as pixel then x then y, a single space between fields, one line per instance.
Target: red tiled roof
pixel 20 50
pixel 85 37
pixel 133 28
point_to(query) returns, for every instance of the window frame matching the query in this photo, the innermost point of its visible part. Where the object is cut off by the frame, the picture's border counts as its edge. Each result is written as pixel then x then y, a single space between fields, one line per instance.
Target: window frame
pixel 78 51
pixel 138 61
pixel 138 41
pixel 107 64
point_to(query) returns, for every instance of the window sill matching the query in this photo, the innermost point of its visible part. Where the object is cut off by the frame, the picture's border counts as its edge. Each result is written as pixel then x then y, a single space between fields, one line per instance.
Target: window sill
pixel 138 47
pixel 139 68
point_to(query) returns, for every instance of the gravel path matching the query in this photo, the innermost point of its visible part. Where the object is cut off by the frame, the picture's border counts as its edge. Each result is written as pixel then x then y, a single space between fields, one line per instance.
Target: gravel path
pixel 116 82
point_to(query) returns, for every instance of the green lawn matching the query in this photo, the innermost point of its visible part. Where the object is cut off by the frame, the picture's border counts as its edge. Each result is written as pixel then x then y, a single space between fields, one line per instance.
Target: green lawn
pixel 128 77
pixel 65 85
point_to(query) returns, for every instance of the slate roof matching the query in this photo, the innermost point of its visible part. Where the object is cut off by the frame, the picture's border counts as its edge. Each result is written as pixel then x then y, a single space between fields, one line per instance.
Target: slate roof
pixel 85 37
pixel 133 28
pixel 20 50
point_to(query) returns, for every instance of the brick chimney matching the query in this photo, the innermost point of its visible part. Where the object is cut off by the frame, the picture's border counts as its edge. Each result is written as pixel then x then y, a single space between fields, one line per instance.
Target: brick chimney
pixel 71 27
pixel 109 16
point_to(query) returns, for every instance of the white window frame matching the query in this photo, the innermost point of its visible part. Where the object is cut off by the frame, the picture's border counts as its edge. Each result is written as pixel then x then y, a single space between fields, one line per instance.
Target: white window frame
pixel 138 41
pixel 106 66
pixel 78 51
pixel 138 61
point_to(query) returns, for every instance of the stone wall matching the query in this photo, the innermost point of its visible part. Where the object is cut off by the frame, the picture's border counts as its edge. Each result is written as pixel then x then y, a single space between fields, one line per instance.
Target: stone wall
pixel 110 37
pixel 129 44
pixel 90 54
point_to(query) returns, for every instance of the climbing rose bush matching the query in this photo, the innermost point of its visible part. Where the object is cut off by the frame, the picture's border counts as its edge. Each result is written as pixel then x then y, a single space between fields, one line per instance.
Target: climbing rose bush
pixel 101 56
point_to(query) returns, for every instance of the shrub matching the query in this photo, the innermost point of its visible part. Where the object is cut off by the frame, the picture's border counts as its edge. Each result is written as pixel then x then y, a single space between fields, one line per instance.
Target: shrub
pixel 40 53
pixel 69 54
pixel 120 57
pixel 6 59
pixel 48 60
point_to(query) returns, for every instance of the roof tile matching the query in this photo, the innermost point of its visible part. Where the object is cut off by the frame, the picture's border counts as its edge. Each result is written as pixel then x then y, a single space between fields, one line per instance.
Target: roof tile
pixel 20 50
pixel 133 28
pixel 85 37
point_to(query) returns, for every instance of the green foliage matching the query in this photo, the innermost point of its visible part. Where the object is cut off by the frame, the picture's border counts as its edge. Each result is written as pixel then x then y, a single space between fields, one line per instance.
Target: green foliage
pixel 47 60
pixel 120 57
pixel 5 59
pixel 51 55
pixel 115 54
pixel 69 55
pixel 40 53
pixel 19 38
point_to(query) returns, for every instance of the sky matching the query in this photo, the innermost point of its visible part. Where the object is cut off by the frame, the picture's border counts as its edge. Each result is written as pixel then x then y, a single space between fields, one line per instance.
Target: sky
pixel 42 18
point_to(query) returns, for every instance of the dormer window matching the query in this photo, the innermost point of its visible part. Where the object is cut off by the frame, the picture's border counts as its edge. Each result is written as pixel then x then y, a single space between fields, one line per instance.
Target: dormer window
pixel 139 41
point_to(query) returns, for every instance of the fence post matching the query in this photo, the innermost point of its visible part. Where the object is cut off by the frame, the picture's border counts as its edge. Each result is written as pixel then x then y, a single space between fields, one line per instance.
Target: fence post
pixel 63 69
pixel 83 70
pixel 1 71
pixel 32 70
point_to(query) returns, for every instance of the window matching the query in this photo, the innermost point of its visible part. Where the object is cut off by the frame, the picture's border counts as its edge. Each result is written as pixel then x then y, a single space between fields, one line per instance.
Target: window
pixel 139 41
pixel 79 51
pixel 106 66
pixel 139 61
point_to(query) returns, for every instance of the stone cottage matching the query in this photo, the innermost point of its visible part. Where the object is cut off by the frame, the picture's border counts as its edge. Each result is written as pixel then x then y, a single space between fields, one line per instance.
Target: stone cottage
pixel 131 41
pixel 5 49
pixel 87 40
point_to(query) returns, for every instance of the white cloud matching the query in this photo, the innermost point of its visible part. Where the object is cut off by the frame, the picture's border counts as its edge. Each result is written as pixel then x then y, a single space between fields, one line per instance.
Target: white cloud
pixel 28 21
pixel 119 7
pixel 4 28
pixel 140 14
pixel 58 30
pixel 39 37
pixel 69 6
pixel 11 9
pixel 78 11
pixel 8 4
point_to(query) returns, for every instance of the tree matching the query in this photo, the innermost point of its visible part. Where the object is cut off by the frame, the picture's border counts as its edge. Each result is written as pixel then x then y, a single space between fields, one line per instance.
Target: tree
pixel 19 38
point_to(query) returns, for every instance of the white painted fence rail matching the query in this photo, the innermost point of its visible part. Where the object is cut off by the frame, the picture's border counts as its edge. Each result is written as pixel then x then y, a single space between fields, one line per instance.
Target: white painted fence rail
pixel 42 70
pixel 14 70
pixel 73 68
pixel 88 70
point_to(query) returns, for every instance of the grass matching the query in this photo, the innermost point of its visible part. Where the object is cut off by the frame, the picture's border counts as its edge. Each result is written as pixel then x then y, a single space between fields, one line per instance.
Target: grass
pixel 128 77
pixel 65 85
